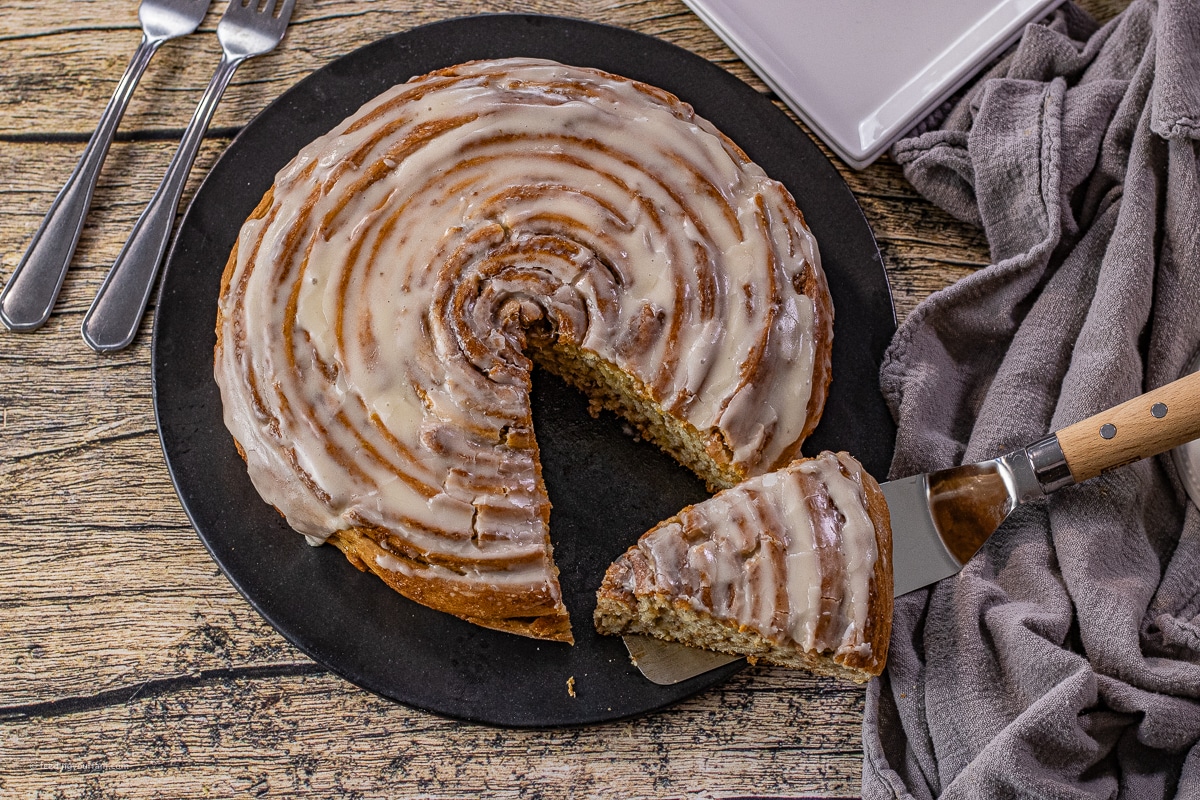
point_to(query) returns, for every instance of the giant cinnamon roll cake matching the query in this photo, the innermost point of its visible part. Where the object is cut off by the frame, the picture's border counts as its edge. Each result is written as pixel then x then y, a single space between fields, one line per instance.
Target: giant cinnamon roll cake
pixel 384 304
pixel 792 567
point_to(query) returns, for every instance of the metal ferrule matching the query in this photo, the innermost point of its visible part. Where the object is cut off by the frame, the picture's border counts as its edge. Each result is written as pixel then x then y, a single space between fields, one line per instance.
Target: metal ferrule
pixel 1049 464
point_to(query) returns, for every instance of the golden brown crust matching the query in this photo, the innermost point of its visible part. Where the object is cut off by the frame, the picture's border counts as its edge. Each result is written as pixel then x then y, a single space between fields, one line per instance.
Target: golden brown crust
pixel 491 608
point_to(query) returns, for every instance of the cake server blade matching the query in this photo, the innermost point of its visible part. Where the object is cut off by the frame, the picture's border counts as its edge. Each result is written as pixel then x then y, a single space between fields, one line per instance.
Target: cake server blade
pixel 940 519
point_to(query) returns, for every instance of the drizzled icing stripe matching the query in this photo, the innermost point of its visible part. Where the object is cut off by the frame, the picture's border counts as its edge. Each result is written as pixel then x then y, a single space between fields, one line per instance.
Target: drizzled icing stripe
pixel 378 303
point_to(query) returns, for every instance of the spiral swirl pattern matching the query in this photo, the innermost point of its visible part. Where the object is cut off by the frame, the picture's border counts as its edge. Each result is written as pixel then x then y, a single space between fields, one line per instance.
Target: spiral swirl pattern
pixel 378 310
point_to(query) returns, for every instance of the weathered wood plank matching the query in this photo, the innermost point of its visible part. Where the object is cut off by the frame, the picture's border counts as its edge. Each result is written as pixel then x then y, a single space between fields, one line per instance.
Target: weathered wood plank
pixel 304 736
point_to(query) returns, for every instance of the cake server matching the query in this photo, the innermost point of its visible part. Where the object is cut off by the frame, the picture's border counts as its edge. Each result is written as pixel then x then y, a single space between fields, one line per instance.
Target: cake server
pixel 248 28
pixel 27 300
pixel 941 519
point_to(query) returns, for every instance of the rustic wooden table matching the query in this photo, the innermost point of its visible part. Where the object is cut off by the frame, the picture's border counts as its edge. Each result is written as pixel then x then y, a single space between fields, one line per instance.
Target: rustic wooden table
pixel 129 666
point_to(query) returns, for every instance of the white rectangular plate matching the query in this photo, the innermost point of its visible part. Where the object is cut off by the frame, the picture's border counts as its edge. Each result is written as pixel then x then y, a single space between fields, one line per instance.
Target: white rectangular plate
pixel 861 73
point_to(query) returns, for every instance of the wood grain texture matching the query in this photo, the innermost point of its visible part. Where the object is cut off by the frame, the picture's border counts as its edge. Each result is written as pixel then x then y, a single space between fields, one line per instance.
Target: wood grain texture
pixel 129 667
pixel 1152 423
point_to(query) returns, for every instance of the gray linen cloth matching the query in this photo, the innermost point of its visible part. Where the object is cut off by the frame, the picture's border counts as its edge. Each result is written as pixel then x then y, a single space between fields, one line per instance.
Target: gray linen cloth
pixel 1064 661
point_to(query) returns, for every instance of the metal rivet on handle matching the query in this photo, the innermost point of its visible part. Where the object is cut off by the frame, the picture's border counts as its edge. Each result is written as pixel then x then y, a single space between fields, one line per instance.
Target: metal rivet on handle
pixel 1159 410
pixel 1108 430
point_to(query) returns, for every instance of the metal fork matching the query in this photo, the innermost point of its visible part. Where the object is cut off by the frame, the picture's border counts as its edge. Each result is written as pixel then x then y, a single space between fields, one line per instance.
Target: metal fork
pixel 248 28
pixel 27 300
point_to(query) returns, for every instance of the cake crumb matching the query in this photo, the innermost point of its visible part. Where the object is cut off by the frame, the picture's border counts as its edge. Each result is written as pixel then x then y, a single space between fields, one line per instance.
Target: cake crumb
pixel 571 686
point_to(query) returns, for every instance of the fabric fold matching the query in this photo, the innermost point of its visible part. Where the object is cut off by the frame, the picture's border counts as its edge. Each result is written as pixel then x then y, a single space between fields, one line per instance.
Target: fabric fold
pixel 1064 661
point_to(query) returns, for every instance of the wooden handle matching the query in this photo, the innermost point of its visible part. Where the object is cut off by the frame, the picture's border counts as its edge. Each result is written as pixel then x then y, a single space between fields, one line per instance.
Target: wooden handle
pixel 1139 428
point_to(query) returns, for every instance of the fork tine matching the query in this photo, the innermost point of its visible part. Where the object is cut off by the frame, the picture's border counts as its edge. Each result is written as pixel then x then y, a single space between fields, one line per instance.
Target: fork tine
pixel 284 9
pixel 279 11
pixel 254 27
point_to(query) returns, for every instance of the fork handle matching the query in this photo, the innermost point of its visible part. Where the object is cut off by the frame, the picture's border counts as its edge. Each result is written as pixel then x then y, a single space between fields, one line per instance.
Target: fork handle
pixel 113 320
pixel 27 300
pixel 1153 423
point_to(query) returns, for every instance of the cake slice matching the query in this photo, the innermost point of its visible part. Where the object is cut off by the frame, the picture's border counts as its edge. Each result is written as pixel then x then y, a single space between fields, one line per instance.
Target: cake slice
pixel 792 567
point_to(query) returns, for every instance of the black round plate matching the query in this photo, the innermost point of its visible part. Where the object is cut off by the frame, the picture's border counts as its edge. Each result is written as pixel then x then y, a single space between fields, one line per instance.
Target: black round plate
pixel 606 488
